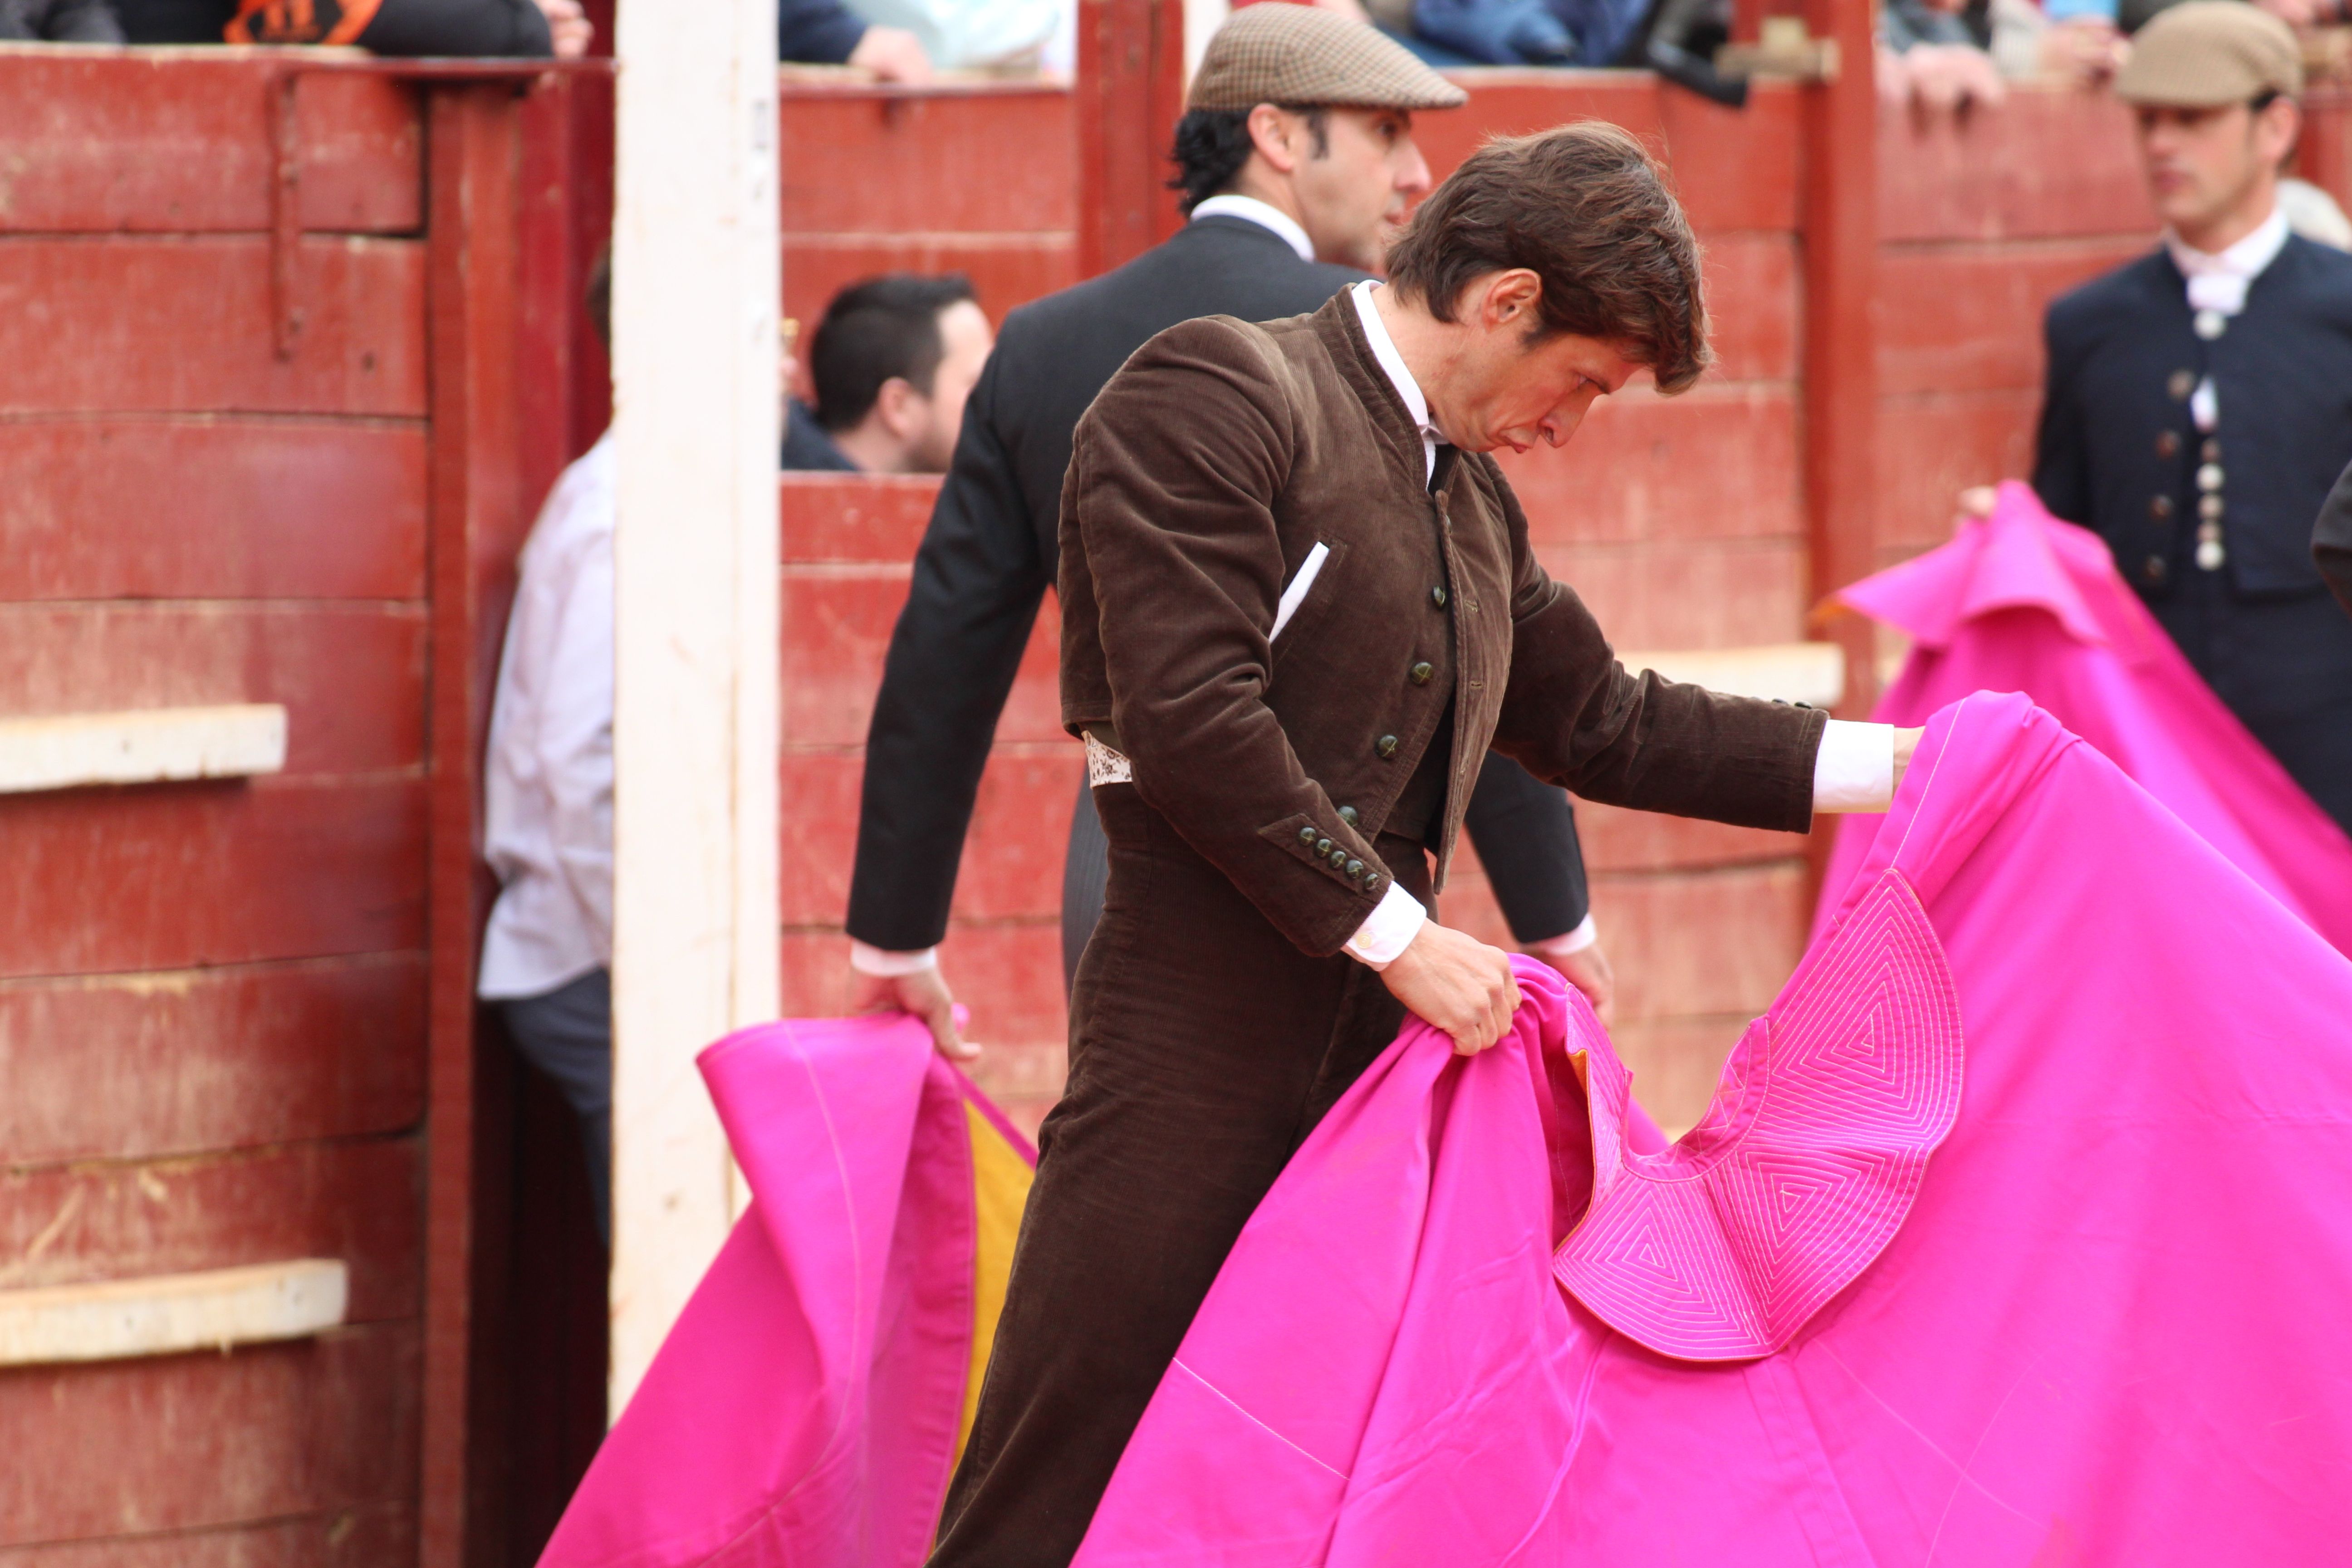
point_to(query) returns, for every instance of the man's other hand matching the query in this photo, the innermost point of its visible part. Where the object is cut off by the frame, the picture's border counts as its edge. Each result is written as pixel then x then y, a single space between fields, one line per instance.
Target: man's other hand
pixel 1588 970
pixel 1458 983
pixel 1905 743
pixel 924 994
pixel 893 53
pixel 1976 503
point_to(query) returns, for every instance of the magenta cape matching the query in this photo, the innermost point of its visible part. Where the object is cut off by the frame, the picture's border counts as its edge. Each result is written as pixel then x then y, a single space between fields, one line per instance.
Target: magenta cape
pixel 806 1407
pixel 2022 602
pixel 2017 1233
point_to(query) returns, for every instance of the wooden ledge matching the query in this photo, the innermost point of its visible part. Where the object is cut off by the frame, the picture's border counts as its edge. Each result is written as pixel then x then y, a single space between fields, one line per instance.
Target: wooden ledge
pixel 65 751
pixel 1809 673
pixel 168 1313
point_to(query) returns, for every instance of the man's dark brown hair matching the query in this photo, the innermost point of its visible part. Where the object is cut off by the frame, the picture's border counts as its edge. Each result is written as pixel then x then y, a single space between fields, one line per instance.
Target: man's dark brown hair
pixel 1586 209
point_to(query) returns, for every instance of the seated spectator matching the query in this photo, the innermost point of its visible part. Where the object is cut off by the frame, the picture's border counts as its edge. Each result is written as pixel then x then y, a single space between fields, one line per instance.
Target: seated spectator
pixel 828 33
pixel 968 35
pixel 59 22
pixel 1933 54
pixel 525 29
pixel 892 362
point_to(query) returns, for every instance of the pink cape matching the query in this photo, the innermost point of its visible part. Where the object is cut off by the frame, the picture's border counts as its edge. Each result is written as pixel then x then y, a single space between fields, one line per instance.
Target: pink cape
pixel 804 1409
pixel 2018 1233
pixel 2022 602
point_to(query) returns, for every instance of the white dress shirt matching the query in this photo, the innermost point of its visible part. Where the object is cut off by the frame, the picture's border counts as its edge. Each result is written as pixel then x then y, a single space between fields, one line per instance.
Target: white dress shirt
pixel 1264 213
pixel 548 807
pixel 2217 291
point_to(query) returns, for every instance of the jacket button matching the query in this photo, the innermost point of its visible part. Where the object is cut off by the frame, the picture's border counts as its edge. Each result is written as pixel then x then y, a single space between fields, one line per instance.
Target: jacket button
pixel 1348 814
pixel 2209 507
pixel 2208 477
pixel 1372 883
pixel 2181 383
pixel 2168 444
pixel 1355 870
pixel 2160 508
pixel 2152 569
pixel 2212 450
pixel 1437 596
pixel 1386 746
pixel 1306 835
pixel 1420 673
pixel 1322 847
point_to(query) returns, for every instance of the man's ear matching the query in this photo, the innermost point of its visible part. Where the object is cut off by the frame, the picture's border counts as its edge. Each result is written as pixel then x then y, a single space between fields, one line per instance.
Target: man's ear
pixel 899 407
pixel 2279 126
pixel 1273 131
pixel 1509 299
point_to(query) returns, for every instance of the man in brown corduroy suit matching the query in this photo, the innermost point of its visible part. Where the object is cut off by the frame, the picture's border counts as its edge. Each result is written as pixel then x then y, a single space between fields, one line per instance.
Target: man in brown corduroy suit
pixel 1298 605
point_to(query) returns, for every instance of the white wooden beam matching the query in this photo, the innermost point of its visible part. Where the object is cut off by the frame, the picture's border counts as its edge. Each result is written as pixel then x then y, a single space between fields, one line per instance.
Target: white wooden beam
pixel 695 285
pixel 66 751
pixel 168 1313
pixel 1810 672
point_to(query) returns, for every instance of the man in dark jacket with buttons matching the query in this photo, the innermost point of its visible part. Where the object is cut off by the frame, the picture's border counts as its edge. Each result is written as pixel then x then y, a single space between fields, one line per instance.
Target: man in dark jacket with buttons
pixel 2199 400
pixel 1323 170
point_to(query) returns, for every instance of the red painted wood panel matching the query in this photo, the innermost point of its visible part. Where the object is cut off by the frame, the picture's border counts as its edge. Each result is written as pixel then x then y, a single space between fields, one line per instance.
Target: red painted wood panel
pixel 1714 463
pixel 1005 269
pixel 205 508
pixel 2050 162
pixel 1514 102
pixel 825 517
pixel 178 876
pixel 181 141
pixel 373 1535
pixel 1008 972
pixel 272 1432
pixel 837 624
pixel 107 322
pixel 1729 593
pixel 356 1201
pixel 1012 861
pixel 1931 448
pixel 1616 839
pixel 1675 1064
pixel 136 1066
pixel 985 159
pixel 1969 319
pixel 351 676
pixel 1752 305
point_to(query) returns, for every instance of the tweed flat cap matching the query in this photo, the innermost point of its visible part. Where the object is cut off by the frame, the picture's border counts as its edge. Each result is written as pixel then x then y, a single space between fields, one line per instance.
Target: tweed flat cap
pixel 1275 52
pixel 2207 53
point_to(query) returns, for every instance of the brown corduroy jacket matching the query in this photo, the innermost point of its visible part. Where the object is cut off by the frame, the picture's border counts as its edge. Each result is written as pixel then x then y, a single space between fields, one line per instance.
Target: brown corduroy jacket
pixel 1202 477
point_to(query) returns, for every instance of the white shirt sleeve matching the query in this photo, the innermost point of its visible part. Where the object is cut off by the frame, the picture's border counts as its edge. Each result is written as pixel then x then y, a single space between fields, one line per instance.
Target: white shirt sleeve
pixel 575 739
pixel 1854 770
pixel 878 961
pixel 1389 929
pixel 1586 933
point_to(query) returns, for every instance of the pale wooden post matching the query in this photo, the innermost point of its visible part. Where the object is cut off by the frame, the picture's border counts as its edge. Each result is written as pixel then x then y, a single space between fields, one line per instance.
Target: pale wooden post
pixel 695 292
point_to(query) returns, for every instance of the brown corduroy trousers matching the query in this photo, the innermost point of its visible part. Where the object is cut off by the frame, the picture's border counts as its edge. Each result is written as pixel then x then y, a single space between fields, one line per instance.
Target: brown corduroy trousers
pixel 1203 1047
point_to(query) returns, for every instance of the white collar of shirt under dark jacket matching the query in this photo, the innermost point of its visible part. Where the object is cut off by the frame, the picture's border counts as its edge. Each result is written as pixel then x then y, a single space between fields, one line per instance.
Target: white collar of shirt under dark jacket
pixel 2218 281
pixel 1384 349
pixel 1249 209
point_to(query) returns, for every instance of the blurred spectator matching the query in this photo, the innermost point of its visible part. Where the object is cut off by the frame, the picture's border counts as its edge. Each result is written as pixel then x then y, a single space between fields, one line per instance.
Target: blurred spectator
pixel 828 33
pixel 892 362
pixel 2199 403
pixel 1932 54
pixel 964 34
pixel 59 22
pixel 2313 214
pixel 516 28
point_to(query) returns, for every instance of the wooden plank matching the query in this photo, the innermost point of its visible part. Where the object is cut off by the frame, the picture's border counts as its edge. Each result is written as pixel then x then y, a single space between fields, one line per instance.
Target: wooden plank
pixel 946 152
pixel 177 875
pixel 372 1535
pixel 837 625
pixel 829 518
pixel 269 1434
pixel 1736 168
pixel 1514 102
pixel 355 1201
pixel 1005 269
pixel 1992 176
pixel 1714 463
pixel 1935 446
pixel 1969 319
pixel 351 677
pixel 69 750
pixel 1008 972
pixel 1127 99
pixel 1752 305
pixel 143 140
pixel 135 1066
pixel 132 322
pixel 1688 594
pixel 258 509
pixel 1676 1063
pixel 165 1314
pixel 1810 673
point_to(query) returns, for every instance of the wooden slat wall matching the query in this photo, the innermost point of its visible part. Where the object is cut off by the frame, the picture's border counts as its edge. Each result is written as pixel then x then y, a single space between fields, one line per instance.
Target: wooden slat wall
pixel 213 996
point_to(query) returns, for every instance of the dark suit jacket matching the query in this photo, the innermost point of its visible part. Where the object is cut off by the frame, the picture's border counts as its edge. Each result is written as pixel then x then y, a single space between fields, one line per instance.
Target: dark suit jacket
pixel 990 552
pixel 1209 469
pixel 2331 539
pixel 2121 454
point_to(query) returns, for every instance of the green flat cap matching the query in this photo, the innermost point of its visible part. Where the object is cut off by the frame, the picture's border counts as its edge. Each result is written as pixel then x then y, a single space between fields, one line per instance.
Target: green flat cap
pixel 1275 52
pixel 2207 53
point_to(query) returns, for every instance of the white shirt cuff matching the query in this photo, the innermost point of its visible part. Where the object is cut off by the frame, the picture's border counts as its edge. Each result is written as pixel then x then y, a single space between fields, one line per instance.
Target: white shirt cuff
pixel 1854 770
pixel 1389 929
pixel 1585 934
pixel 874 960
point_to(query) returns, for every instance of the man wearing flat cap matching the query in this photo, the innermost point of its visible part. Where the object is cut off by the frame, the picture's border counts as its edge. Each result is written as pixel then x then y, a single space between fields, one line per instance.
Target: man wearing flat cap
pixel 2199 403
pixel 1297 145
pixel 1298 605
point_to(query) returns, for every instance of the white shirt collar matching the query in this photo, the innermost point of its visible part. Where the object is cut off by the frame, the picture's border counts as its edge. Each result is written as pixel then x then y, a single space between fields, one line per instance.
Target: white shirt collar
pixel 1252 210
pixel 1384 349
pixel 2219 282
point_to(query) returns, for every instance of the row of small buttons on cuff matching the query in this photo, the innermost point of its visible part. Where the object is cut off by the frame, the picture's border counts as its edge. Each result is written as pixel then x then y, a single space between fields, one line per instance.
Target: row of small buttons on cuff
pixel 1347 864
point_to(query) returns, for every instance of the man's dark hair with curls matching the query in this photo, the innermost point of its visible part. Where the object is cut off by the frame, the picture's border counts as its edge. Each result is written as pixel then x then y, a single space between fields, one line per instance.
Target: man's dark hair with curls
pixel 1211 145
